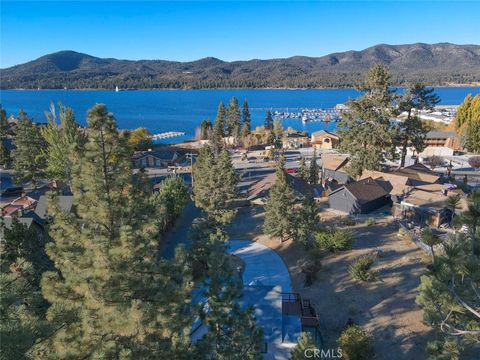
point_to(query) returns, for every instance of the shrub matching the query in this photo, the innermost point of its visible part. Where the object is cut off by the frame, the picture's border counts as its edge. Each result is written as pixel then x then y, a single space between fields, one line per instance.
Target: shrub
pixel 356 343
pixel 361 268
pixel 370 222
pixel 334 240
pixel 474 162
pixel 349 222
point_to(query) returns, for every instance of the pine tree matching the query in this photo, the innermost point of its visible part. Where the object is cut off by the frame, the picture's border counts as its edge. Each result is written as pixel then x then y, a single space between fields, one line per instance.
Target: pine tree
pixel 313 170
pixel 215 185
pixel 233 118
pixel 305 347
pixel 5 158
pixel 64 142
pixel 366 132
pixel 413 131
pixel 268 121
pixel 22 309
pixel 246 129
pixel 471 217
pixel 303 172
pixel 114 298
pixel 206 129
pixel 467 122
pixel 219 129
pixel 279 208
pixel 307 222
pixel 232 332
pixel 29 163
pixel 449 298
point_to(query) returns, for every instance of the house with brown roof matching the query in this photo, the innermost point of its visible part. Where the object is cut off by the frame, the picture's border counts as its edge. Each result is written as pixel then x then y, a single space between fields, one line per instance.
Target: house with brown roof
pixel 258 191
pixel 156 158
pixel 418 174
pixel 324 139
pixel 18 206
pixel 359 197
pixel 333 168
pixel 427 204
pixel 396 185
pixel 441 143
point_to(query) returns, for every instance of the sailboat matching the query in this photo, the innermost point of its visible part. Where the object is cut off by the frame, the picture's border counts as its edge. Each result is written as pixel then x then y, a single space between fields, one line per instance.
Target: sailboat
pixel 116 88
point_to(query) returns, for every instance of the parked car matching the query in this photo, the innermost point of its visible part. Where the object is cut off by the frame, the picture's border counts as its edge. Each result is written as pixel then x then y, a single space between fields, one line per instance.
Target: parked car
pixel 292 171
pixel 12 191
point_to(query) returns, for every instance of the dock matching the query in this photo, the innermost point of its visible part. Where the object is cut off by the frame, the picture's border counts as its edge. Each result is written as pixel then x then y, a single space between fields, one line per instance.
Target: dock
pixel 167 135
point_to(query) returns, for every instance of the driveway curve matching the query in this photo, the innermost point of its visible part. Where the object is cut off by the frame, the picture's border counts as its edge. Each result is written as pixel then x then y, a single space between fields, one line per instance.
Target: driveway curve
pixel 262 265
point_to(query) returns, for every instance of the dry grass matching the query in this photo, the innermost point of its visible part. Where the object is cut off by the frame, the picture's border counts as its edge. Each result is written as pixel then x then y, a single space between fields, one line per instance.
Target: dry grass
pixel 385 307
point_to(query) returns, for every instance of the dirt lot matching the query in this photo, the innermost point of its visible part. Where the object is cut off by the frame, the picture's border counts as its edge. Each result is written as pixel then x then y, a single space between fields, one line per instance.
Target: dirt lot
pixel 386 307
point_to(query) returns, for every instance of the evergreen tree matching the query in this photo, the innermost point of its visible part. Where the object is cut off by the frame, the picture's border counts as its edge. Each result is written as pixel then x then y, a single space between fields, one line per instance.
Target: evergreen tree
pixel 449 297
pixel 430 239
pixel 413 131
pixel 279 209
pixel 215 185
pixel 232 332
pixel 114 299
pixel 303 172
pixel 305 347
pixel 170 200
pixel 307 222
pixel 314 169
pixel 22 309
pixel 233 118
pixel 246 129
pixel 5 158
pixel 64 142
pixel 206 129
pixel 268 121
pixel 471 217
pixel 219 129
pixel 366 131
pixel 29 163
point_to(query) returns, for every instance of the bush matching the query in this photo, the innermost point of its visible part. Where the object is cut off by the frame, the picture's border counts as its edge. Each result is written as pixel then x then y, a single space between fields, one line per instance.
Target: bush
pixel 361 268
pixel 334 240
pixel 356 344
pixel 349 222
pixel 370 222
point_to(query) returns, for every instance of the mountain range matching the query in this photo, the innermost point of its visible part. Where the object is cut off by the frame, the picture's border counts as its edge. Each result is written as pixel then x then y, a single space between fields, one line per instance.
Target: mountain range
pixel 432 64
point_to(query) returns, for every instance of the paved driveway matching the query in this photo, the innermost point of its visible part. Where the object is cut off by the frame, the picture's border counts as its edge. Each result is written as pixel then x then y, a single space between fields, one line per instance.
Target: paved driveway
pixel 262 264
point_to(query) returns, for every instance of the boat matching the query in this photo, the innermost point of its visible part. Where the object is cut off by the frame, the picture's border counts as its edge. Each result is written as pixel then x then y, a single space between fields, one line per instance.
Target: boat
pixel 116 89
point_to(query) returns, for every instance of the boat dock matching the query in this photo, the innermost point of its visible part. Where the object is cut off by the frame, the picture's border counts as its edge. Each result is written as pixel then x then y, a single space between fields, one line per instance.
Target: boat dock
pixel 311 115
pixel 167 135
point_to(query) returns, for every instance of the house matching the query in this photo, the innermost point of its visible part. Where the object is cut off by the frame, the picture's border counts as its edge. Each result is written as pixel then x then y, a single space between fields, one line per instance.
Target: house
pixel 427 204
pixel 441 143
pixel 258 191
pixel 324 139
pixel 295 140
pixel 418 174
pixel 162 157
pixel 18 206
pixel 396 185
pixel 333 168
pixel 359 197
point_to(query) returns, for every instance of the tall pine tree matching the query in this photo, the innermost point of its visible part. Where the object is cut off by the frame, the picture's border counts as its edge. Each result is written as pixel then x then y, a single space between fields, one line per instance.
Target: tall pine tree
pixel 247 127
pixel 366 131
pixel 114 299
pixel 28 161
pixel 279 208
pixel 314 169
pixel 5 158
pixel 233 118
pixel 218 132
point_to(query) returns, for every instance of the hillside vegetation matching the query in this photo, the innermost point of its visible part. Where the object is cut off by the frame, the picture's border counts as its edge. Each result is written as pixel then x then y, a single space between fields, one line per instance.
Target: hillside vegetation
pixel 437 64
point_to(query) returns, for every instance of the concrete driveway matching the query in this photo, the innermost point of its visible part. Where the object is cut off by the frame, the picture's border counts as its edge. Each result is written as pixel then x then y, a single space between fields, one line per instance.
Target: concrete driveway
pixel 262 264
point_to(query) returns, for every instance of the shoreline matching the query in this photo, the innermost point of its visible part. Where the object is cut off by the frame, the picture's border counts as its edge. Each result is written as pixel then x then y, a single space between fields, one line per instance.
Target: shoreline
pixel 474 85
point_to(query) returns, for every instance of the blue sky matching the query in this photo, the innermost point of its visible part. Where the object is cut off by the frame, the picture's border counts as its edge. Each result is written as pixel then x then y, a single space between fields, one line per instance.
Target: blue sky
pixel 227 30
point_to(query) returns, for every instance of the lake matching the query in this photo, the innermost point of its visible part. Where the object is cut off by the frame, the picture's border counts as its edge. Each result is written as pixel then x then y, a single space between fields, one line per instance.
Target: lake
pixel 182 110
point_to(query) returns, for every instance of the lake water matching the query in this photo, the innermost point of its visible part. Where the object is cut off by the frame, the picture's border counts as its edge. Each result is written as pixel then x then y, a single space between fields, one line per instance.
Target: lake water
pixel 182 110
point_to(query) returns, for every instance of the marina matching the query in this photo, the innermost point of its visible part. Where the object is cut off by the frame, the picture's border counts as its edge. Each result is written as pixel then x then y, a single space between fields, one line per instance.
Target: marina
pixel 167 135
pixel 311 115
